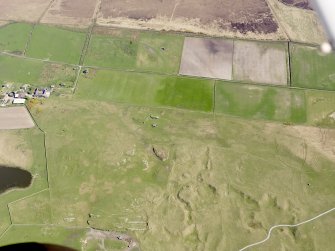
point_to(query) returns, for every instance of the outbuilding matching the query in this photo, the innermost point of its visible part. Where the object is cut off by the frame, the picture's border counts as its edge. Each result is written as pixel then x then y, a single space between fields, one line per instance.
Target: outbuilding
pixel 18 101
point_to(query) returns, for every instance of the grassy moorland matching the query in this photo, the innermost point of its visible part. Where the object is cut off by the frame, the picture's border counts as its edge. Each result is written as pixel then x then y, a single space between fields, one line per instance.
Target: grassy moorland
pixel 210 180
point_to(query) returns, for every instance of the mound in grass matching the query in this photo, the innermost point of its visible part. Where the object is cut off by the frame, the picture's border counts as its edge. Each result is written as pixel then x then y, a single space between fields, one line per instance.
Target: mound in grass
pixel 56 44
pixel 261 102
pixel 147 89
pixel 311 69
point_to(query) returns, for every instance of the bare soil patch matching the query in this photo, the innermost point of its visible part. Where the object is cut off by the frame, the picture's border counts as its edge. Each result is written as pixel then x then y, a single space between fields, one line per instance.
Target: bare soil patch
pixel 22 10
pixel 302 4
pixel 241 16
pixel 15 118
pixel 207 58
pixel 70 12
pixel 260 63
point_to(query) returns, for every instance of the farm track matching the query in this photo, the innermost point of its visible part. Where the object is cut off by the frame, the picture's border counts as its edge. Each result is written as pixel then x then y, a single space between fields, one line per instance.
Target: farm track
pixel 286 225
pixel 89 33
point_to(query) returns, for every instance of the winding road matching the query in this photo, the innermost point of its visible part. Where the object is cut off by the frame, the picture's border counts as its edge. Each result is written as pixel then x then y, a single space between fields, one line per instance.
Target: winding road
pixel 286 225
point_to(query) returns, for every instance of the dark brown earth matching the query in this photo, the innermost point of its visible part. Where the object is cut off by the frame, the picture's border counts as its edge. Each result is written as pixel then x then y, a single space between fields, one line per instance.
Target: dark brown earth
pixel 302 4
pixel 238 15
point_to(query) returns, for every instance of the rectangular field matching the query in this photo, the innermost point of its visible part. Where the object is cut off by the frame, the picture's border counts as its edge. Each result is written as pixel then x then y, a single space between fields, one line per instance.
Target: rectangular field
pixel 19 71
pixel 56 44
pixel 204 57
pixel 260 62
pixel 77 13
pixel 15 118
pixel 14 36
pixel 145 51
pixel 310 69
pixel 22 10
pixel 260 102
pixel 147 89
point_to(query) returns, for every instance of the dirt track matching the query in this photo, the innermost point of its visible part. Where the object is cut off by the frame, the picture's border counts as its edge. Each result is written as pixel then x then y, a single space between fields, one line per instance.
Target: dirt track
pixel 15 118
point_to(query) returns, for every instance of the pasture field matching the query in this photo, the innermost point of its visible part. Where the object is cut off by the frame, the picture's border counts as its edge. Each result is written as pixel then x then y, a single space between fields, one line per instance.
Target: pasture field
pixel 144 51
pixel 107 175
pixel 147 89
pixel 14 36
pixel 19 71
pixel 310 69
pixel 56 44
pixel 259 62
pixel 260 102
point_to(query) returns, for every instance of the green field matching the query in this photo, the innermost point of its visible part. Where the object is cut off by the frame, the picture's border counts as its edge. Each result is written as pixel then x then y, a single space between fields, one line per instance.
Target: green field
pixel 310 69
pixel 260 102
pixel 146 51
pixel 19 71
pixel 14 36
pixel 147 89
pixel 56 44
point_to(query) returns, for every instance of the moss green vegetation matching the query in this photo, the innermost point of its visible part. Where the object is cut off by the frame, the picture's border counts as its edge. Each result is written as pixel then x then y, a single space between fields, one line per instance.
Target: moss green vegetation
pixel 56 44
pixel 146 51
pixel 321 108
pixel 214 191
pixel 260 102
pixel 36 73
pixel 14 36
pixel 147 89
pixel 310 69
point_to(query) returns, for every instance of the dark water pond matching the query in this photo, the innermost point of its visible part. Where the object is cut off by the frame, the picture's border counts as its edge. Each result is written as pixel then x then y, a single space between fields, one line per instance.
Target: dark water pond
pixel 13 177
